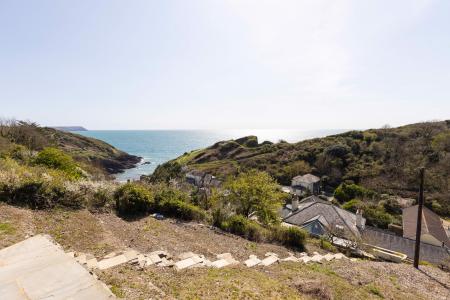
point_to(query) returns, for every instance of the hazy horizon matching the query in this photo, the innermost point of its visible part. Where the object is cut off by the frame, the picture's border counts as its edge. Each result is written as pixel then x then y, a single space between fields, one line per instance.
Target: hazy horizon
pixel 214 65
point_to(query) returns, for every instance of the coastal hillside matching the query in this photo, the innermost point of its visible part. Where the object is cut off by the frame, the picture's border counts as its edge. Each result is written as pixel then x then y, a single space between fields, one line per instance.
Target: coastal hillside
pixel 95 156
pixel 385 160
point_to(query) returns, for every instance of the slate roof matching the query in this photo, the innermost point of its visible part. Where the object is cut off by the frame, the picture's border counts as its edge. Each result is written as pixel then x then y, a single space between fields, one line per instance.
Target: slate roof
pixel 431 224
pixel 313 207
pixel 307 178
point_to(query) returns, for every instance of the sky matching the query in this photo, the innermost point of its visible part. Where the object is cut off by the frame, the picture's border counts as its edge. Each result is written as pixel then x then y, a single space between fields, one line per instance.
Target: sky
pixel 211 64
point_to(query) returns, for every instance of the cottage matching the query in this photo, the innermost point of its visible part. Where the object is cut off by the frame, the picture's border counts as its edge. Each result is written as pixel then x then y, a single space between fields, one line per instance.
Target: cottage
pixel 433 231
pixel 320 217
pixel 308 182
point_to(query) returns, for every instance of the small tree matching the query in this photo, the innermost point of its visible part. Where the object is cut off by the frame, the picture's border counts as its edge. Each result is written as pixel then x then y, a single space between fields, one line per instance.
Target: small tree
pixel 254 192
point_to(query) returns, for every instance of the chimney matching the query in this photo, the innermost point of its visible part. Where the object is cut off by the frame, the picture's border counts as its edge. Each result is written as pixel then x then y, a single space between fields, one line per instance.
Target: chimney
pixel 295 203
pixel 359 222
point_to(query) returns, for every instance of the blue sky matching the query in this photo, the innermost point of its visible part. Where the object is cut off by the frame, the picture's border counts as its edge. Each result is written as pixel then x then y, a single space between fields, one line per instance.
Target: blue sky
pixel 234 64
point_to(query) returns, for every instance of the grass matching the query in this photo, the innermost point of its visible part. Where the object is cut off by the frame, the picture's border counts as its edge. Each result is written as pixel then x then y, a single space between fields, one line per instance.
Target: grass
pixel 6 228
pixel 186 158
pixel 117 291
pixel 374 290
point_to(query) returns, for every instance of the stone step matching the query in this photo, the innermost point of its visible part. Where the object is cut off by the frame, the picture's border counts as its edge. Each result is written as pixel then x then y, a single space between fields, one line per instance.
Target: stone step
pixel 252 261
pixel 220 263
pixel 269 260
pixel 112 262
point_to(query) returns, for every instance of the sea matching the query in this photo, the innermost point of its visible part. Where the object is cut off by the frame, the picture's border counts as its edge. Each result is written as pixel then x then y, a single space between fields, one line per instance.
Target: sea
pixel 159 146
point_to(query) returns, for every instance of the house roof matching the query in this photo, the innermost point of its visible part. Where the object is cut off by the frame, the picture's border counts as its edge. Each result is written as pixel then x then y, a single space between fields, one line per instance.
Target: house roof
pixel 307 178
pixel 431 224
pixel 313 207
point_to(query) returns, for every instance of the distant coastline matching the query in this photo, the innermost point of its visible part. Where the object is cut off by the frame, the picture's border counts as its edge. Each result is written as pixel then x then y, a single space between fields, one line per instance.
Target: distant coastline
pixel 70 128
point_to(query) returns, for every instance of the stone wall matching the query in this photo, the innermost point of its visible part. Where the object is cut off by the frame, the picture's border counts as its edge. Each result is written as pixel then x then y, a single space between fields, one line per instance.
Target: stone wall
pixel 381 238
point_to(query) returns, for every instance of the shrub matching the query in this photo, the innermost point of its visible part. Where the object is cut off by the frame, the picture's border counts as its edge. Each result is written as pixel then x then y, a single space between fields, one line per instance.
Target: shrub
pixel 181 210
pixel 133 199
pixel 56 159
pixel 326 245
pixel 378 217
pixel 165 172
pixel 392 206
pixel 353 205
pixel 289 236
pixel 239 225
pixel 346 192
pixel 34 193
pixel 175 203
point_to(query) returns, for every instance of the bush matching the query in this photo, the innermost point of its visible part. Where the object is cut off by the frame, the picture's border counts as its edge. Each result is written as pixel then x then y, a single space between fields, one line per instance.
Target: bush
pixel 165 172
pixel 392 206
pixel 133 199
pixel 289 236
pixel 33 193
pixel 353 205
pixel 326 245
pixel 377 217
pixel 239 225
pixel 346 192
pixel 175 203
pixel 181 210
pixel 56 159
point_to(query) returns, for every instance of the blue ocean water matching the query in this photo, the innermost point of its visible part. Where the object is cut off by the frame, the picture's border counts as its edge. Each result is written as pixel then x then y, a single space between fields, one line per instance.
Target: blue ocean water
pixel 159 146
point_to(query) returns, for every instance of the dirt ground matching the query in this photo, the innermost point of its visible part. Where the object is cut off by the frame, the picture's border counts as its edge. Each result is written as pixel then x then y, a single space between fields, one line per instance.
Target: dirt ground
pixel 102 233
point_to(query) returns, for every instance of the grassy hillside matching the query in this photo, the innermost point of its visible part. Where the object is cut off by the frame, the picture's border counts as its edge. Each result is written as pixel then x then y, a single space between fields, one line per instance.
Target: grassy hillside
pixel 101 233
pixel 94 155
pixel 385 160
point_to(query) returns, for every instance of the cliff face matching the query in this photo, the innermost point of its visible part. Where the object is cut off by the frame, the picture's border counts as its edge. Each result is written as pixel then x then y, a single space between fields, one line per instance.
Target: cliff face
pixel 385 160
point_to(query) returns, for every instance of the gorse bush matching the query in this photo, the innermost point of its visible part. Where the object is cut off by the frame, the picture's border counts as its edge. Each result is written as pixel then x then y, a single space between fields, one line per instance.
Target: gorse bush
pixel 56 159
pixel 133 199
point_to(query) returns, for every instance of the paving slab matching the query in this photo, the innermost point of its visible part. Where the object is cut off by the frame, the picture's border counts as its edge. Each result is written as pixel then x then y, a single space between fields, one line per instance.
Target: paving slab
pixel 37 268
pixel 328 256
pixel 305 259
pixel 228 257
pixel 269 260
pixel 186 255
pixel 290 258
pixel 155 259
pixel 185 263
pixel 252 261
pixel 111 255
pixel 317 258
pixel 340 256
pixel 92 263
pixel 112 262
pixel 131 254
pixel 220 263
pixel 166 262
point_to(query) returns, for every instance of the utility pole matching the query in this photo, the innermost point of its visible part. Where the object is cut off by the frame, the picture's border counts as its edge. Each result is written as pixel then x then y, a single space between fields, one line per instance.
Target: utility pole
pixel 419 220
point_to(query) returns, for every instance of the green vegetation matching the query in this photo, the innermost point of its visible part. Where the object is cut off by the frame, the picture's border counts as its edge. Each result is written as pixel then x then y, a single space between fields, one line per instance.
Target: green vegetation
pixel 346 192
pixel 326 245
pixel 56 159
pixel 353 205
pixel 383 160
pixel 6 228
pixel 254 193
pixel 375 290
pixel 132 199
